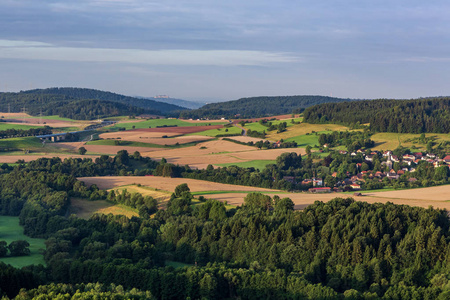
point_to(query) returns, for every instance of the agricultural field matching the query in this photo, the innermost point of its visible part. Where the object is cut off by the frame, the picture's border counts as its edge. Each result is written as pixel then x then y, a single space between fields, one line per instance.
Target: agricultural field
pixel 220 131
pixel 10 230
pixel 153 123
pixel 255 126
pixel 83 208
pixel 304 128
pixel 257 164
pixel 217 152
pixel 6 126
pixel 390 141
pixel 438 197
pixel 33 144
pixel 153 138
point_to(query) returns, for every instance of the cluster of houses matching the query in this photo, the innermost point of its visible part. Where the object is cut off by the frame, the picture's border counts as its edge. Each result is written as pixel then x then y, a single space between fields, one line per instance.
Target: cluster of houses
pixel 409 161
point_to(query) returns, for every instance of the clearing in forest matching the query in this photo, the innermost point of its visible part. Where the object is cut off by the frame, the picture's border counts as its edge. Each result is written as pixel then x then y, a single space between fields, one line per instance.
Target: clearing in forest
pixel 84 208
pixel 10 230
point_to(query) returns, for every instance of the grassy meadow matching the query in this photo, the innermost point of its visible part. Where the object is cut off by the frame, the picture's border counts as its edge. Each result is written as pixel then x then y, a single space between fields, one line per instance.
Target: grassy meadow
pixel 219 131
pixel 10 230
pixel 257 164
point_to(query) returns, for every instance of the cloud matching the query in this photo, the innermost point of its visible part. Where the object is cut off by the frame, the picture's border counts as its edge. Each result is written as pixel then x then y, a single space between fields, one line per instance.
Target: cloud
pixel 43 51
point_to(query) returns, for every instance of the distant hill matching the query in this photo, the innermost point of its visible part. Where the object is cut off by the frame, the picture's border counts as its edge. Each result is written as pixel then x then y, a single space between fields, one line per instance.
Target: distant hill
pixel 78 109
pixel 258 106
pixel 179 102
pixel 151 106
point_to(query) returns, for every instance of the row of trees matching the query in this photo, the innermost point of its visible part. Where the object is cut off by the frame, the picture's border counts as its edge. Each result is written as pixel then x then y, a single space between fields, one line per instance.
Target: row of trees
pixel 15 248
pixel 9 133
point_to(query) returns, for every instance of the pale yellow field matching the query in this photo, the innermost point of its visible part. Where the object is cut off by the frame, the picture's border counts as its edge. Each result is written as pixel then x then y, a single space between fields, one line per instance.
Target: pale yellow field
pixel 217 152
pixel 246 139
pixel 438 197
pixel 133 137
pixel 164 183
pixel 159 195
pixel 9 159
pixel 390 141
pixel 305 128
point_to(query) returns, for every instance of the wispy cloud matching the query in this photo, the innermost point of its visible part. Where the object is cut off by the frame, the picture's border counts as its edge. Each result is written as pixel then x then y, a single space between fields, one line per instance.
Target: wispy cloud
pixel 43 51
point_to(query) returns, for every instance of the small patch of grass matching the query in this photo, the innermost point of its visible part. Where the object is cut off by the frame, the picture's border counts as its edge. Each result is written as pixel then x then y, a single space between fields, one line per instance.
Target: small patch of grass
pixel 10 230
pixel 257 164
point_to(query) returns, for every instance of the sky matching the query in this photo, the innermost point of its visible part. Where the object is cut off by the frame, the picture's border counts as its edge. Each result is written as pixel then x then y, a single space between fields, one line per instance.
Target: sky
pixel 224 50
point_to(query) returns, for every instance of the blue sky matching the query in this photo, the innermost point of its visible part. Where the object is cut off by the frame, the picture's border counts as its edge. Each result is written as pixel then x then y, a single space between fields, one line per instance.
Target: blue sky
pixel 224 50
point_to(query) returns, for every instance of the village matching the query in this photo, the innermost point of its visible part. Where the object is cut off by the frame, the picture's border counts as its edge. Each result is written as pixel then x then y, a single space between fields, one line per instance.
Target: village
pixel 391 167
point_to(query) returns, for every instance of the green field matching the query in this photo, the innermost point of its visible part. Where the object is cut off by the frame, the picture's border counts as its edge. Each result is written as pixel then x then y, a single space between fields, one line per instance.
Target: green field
pixel 29 143
pixel 6 126
pixel 305 140
pixel 216 132
pixel 10 230
pixel 153 123
pixel 257 164
pixel 54 117
pixel 256 126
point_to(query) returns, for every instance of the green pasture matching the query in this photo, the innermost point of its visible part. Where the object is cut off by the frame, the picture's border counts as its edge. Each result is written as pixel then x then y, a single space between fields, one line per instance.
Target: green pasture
pixel 10 230
pixel 153 123
pixel 257 164
pixel 6 126
pixel 29 143
pixel 256 126
pixel 219 131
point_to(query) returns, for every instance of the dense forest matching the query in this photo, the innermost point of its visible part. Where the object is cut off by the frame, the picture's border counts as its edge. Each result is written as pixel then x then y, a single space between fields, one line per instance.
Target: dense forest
pixel 264 249
pixel 258 107
pixel 83 93
pixel 64 106
pixel 402 116
pixel 80 104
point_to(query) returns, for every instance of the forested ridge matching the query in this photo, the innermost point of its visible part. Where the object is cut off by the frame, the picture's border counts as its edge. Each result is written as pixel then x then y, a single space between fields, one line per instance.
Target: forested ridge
pixel 402 116
pixel 254 107
pixel 264 249
pixel 80 104
pixel 84 93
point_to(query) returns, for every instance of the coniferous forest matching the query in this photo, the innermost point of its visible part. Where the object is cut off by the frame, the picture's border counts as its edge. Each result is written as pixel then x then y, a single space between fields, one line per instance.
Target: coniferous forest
pixel 402 116
pixel 342 249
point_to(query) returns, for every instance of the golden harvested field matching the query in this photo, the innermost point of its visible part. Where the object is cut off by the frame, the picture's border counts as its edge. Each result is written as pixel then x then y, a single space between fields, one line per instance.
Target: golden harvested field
pixel 438 197
pixel 9 159
pixel 305 128
pixel 164 183
pixel 103 149
pixel 217 152
pixel 25 119
pixel 390 141
pixel 85 209
pixel 155 138
pixel 159 195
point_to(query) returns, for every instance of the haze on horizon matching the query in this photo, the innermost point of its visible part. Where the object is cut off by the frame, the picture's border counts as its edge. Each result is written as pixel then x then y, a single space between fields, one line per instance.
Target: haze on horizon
pixel 205 50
